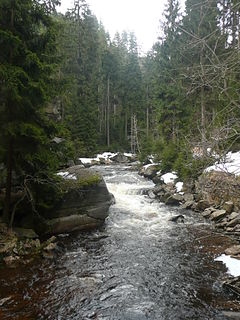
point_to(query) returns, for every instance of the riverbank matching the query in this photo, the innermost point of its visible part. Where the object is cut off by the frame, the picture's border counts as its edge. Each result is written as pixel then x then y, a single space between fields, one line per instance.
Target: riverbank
pixel 215 196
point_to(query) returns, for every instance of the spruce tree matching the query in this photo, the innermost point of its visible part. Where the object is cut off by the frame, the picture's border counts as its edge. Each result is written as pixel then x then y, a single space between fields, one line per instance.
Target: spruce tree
pixel 27 36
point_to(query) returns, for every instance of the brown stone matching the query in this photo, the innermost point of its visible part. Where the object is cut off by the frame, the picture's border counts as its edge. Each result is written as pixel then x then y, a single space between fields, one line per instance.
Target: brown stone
pixel 218 215
pixel 233 251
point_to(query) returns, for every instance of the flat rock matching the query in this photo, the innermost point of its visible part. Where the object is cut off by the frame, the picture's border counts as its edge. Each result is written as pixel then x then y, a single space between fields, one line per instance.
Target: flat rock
pixel 234 222
pixel 233 216
pixel 218 215
pixel 233 251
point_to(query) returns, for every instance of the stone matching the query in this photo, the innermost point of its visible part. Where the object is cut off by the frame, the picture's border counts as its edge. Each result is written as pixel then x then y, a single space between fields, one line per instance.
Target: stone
pixel 187 205
pixel 151 194
pixel 188 197
pixel 202 205
pixel 174 199
pixel 234 222
pixel 159 188
pixel 207 212
pixel 25 233
pixel 233 216
pixel 228 206
pixel 218 215
pixel 119 158
pixel 50 247
pixel 232 251
pixel 150 171
pixel 178 218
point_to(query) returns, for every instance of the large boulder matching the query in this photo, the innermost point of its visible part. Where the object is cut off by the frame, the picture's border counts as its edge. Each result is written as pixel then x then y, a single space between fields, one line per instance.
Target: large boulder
pixel 120 158
pixel 84 203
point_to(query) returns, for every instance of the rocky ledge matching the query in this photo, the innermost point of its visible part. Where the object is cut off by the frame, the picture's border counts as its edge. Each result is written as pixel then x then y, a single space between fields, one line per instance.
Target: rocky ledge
pixel 84 202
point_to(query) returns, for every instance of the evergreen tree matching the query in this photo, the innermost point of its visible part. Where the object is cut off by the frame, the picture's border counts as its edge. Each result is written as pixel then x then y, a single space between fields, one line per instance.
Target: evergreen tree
pixel 27 36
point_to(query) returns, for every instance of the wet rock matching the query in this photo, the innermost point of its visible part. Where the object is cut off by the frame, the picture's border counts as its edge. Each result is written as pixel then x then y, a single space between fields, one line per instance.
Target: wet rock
pixel 228 206
pixel 218 215
pixel 151 194
pixel 233 251
pixel 178 218
pixel 174 199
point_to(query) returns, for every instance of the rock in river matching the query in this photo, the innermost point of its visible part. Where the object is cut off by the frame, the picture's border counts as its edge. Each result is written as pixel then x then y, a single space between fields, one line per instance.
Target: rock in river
pixel 84 203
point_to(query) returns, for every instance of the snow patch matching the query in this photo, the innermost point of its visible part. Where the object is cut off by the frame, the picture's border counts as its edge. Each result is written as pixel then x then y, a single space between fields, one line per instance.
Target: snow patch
pixel 87 160
pixel 67 175
pixel 232 264
pixel 179 186
pixel 169 177
pixel 231 164
pixel 150 165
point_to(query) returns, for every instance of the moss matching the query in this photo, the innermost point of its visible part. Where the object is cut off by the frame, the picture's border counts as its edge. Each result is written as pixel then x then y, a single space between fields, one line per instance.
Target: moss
pixel 90 180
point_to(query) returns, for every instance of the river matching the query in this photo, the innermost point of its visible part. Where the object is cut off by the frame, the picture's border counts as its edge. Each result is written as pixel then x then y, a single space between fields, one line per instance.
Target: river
pixel 138 266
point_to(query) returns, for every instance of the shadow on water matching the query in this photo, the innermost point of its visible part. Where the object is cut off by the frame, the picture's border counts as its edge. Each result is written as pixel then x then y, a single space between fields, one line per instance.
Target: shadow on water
pixel 139 265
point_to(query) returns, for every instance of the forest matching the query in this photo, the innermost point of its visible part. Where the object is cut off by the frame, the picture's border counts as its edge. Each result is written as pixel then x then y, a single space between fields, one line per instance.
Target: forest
pixel 68 90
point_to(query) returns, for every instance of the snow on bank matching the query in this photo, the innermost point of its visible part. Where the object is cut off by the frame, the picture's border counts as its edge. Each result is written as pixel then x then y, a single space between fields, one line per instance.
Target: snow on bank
pixel 105 155
pixel 233 265
pixel 169 177
pixel 179 186
pixel 231 164
pixel 67 175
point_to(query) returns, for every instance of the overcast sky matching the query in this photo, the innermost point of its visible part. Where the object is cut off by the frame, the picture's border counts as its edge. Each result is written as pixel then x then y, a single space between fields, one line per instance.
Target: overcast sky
pixel 141 17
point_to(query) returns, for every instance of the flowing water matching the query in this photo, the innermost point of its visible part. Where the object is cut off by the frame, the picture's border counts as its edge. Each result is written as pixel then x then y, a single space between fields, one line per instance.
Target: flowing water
pixel 139 265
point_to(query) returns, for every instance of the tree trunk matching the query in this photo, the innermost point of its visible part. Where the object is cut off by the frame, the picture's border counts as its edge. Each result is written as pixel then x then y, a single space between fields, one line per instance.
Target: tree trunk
pixel 126 124
pixel 108 112
pixel 7 201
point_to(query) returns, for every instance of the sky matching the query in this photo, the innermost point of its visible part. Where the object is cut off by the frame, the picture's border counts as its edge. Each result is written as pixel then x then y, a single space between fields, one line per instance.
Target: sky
pixel 140 16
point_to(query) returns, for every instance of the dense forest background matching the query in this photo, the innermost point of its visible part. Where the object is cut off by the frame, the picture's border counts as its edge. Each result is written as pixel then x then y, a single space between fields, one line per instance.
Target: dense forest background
pixel 68 90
